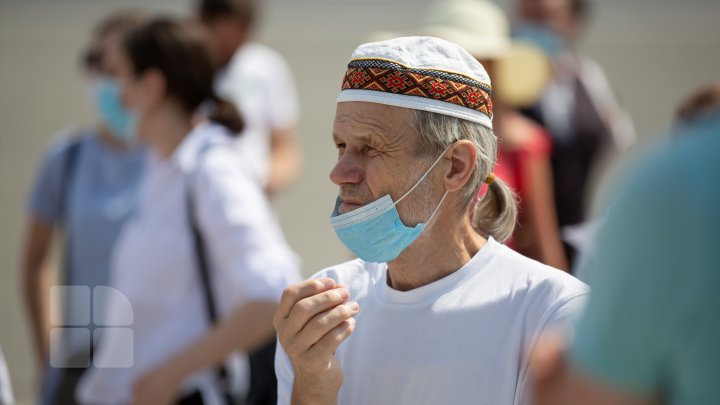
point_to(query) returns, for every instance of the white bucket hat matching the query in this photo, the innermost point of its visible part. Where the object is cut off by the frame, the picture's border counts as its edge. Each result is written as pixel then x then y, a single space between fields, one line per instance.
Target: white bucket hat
pixel 420 73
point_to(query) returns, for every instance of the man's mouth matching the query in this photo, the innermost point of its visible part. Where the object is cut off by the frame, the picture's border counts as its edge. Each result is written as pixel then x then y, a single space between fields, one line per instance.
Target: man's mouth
pixel 348 204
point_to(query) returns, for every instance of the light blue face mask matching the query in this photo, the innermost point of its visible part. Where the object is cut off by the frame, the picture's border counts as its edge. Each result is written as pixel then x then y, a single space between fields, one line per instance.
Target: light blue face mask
pixel 121 122
pixel 375 232
pixel 541 37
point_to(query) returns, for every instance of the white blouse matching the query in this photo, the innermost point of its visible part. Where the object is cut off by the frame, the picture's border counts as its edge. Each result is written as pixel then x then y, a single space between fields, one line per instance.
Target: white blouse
pixel 160 309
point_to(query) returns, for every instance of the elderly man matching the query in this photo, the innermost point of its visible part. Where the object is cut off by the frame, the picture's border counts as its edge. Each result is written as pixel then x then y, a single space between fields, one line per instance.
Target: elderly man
pixel 436 309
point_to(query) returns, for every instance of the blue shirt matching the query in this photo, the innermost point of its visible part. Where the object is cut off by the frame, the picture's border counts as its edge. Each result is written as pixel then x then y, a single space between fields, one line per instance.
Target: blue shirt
pixel 101 194
pixel 652 324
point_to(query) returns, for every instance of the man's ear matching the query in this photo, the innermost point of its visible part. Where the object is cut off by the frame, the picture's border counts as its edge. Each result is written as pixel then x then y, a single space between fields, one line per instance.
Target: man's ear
pixel 463 160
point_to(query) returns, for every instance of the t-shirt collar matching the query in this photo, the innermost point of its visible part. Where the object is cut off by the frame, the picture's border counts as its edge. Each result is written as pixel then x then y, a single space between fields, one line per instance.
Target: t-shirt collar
pixel 436 289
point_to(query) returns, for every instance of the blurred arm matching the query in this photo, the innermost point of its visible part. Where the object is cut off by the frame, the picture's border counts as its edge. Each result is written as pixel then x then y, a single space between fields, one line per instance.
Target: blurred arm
pixel 246 328
pixel 541 214
pixel 36 284
pixel 285 160
pixel 555 382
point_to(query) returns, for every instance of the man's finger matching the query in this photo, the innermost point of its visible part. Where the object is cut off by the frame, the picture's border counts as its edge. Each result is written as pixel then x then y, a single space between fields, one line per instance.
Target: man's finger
pixel 298 291
pixel 310 307
pixel 324 322
pixel 330 342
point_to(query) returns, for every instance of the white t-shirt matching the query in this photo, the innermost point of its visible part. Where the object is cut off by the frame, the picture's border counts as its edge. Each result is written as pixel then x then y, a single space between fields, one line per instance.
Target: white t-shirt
pixel 463 339
pixel 258 81
pixel 160 300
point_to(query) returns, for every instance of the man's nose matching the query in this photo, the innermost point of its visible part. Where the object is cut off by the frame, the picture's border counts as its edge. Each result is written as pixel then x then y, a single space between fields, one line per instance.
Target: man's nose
pixel 347 170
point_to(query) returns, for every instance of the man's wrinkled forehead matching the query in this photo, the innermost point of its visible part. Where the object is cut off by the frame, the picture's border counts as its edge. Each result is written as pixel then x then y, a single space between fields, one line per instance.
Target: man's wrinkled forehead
pixel 373 122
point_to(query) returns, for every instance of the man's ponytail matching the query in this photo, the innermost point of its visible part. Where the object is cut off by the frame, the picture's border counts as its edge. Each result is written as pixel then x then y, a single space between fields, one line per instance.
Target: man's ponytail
pixel 496 212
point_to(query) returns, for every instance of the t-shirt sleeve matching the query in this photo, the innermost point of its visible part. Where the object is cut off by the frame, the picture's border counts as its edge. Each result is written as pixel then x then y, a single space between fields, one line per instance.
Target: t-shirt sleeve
pixel 621 337
pixel 243 239
pixel 283 106
pixel 556 304
pixel 566 316
pixel 44 199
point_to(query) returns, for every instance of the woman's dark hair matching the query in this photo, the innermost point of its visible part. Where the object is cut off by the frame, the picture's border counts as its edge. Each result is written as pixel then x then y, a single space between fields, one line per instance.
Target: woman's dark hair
pixel 180 52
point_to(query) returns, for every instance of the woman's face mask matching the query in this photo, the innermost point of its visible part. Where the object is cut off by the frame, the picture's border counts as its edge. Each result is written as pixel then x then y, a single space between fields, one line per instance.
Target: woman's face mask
pixel 121 122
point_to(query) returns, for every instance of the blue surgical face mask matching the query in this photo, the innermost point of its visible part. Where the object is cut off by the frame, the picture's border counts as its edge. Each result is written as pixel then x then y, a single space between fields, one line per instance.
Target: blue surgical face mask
pixel 541 37
pixel 121 122
pixel 375 232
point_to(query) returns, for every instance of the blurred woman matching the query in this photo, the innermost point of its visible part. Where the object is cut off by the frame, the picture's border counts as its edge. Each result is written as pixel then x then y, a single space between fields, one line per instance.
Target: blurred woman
pixel 86 186
pixel 199 204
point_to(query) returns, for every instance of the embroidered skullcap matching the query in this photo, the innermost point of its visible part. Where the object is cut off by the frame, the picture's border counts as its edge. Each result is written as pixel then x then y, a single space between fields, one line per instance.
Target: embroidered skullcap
pixel 420 73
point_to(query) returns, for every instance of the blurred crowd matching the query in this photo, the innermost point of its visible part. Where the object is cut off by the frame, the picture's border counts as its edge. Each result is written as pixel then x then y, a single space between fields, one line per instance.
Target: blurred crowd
pixel 171 252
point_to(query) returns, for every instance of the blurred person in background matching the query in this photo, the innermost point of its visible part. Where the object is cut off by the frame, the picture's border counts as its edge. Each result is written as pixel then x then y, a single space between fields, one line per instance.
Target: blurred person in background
pixel 259 82
pixel 202 264
pixel 6 393
pixel 651 330
pixel 87 188
pixel 579 108
pixel 520 73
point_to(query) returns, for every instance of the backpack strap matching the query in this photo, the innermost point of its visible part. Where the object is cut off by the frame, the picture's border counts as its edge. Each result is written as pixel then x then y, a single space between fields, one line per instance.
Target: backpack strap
pixel 203 267
pixel 68 173
pixel 66 180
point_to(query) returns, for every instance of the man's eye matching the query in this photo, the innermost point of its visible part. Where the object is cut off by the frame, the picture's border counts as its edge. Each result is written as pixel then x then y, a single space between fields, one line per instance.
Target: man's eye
pixel 340 145
pixel 371 151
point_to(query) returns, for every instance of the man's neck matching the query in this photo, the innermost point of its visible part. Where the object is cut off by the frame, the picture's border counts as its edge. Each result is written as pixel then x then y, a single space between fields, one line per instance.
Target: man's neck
pixel 440 251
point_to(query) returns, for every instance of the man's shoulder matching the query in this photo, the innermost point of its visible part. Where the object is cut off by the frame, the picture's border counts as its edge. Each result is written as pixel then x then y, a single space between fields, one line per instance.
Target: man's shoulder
pixel 537 279
pixel 257 59
pixel 541 295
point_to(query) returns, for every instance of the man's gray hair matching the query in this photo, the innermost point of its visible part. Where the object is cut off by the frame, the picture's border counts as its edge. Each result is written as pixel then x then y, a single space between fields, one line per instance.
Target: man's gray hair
pixel 496 213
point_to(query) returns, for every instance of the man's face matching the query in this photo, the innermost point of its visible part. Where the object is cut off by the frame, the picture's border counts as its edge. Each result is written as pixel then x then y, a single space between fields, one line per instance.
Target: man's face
pixel 225 35
pixel 378 155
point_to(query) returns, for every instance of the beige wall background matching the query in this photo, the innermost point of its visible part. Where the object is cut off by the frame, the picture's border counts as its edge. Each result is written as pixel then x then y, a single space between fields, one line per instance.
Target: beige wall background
pixel 654 52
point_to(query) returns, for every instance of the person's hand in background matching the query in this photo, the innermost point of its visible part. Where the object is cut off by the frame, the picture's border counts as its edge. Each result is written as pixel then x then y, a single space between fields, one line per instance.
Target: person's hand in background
pixel 157 387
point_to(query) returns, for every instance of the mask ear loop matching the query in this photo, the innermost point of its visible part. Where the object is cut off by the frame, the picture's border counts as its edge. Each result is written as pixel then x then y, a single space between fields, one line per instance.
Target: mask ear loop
pixel 436 208
pixel 423 178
